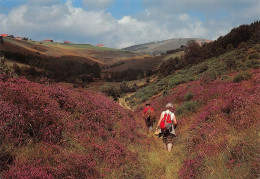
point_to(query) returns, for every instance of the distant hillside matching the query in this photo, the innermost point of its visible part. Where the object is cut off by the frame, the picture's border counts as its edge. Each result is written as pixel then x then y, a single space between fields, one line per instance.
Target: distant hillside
pixel 84 53
pixel 74 62
pixel 163 46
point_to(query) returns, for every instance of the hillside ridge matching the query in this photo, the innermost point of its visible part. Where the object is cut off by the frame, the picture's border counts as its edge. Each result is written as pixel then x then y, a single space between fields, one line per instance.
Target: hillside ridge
pixel 163 46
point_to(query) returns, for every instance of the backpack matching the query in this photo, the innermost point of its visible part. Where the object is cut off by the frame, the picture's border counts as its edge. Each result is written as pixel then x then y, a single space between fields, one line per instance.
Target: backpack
pixel 149 114
pixel 166 122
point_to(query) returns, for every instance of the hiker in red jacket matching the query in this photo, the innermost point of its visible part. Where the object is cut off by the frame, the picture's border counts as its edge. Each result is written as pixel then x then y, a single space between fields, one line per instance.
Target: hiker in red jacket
pixel 168 124
pixel 149 117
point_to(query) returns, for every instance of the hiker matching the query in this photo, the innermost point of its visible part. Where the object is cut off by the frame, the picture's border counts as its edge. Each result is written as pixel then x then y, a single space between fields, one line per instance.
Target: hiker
pixel 168 124
pixel 149 117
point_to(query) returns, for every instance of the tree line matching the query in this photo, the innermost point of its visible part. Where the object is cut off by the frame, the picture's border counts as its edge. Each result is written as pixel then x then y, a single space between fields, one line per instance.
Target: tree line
pixel 58 69
pixel 240 37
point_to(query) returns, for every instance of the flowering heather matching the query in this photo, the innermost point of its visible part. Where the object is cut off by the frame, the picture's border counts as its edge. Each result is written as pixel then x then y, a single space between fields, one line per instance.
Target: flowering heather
pixel 58 132
pixel 227 117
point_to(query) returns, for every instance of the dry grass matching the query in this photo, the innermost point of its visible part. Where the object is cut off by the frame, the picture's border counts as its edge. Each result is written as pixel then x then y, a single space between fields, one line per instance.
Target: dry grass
pixel 78 52
pixel 10 63
pixel 159 163
pixel 177 54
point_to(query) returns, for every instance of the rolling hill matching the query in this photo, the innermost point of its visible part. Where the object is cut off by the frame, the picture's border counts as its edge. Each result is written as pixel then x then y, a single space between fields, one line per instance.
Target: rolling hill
pixel 164 46
pixel 57 59
pixel 83 53
pixel 78 52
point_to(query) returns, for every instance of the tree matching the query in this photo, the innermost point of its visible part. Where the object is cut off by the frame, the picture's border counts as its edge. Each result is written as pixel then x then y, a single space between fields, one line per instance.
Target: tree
pixel 192 53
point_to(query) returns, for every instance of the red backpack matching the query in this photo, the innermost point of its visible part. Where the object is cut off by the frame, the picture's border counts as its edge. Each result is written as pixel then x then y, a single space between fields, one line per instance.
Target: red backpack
pixel 166 122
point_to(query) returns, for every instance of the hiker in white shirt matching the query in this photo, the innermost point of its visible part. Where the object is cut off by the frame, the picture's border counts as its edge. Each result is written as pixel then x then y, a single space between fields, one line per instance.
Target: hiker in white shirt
pixel 168 124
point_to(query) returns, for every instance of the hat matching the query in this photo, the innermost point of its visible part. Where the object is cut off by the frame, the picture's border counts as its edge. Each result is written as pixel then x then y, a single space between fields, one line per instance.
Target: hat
pixel 169 105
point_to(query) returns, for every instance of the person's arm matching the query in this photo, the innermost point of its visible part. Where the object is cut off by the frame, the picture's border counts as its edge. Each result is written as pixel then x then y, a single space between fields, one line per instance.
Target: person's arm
pixel 161 117
pixel 175 121
pixel 144 111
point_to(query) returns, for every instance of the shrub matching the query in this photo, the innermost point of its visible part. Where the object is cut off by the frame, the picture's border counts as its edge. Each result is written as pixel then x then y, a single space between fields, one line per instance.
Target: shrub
pixel 242 45
pixel 254 55
pixel 252 63
pixel 242 76
pixel 26 115
pixel 125 88
pixel 76 166
pixel 190 168
pixel 27 171
pixel 188 96
pixel 5 70
pixel 6 159
pixel 60 132
pixel 200 68
pixel 187 107
pixel 111 90
pixel 229 47
pixel 231 63
pixel 208 77
pixel 170 66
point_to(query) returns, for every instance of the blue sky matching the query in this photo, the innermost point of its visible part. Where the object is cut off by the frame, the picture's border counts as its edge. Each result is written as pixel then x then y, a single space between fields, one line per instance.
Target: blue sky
pixel 120 8
pixel 121 23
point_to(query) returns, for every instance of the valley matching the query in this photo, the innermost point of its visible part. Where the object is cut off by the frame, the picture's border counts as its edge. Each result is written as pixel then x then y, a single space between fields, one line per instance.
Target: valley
pixel 75 110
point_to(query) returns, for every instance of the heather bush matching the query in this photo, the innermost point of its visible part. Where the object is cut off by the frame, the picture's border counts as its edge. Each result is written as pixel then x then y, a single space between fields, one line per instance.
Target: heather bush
pixel 27 171
pixel 76 166
pixel 26 115
pixel 90 131
pixel 221 128
pixel 191 167
pixel 235 110
pixel 6 159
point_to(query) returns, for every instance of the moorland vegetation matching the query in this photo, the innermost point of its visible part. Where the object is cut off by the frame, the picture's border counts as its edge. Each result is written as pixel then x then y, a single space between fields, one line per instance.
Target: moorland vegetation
pixel 49 130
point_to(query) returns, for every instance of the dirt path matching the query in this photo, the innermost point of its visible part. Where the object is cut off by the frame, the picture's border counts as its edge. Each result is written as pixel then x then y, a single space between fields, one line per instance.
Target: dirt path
pixel 124 104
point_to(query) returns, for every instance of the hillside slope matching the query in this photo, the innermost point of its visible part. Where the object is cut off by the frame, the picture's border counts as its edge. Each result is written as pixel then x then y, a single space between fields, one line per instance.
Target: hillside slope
pixel 164 46
pixel 78 52
pixel 218 132
pixel 51 131
pixel 75 63
pixel 216 102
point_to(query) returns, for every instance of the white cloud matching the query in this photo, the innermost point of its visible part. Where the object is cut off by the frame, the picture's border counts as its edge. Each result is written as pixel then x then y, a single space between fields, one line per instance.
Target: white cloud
pixel 65 22
pixel 44 2
pixel 160 20
pixel 184 17
pixel 97 4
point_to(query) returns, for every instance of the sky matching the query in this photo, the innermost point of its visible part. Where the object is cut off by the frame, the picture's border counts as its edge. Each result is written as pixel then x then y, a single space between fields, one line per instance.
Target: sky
pixel 122 23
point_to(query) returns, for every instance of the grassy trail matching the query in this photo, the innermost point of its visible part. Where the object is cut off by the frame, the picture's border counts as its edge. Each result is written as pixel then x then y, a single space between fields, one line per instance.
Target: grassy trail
pixel 159 163
pixel 155 160
pixel 122 102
